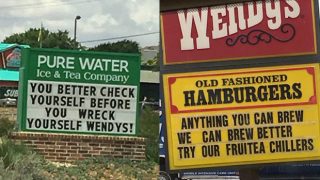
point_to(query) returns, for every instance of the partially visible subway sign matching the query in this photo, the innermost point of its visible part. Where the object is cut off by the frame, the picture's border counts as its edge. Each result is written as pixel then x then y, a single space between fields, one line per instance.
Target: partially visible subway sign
pixel 248 29
pixel 79 92
pixel 243 116
pixel 8 92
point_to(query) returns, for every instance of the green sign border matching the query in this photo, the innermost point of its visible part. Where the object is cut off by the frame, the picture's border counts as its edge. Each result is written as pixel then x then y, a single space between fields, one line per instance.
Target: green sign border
pixel 28 72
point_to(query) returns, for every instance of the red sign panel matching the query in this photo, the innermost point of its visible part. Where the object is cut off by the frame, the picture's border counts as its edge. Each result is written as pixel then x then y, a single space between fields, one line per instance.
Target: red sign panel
pixel 11 58
pixel 239 31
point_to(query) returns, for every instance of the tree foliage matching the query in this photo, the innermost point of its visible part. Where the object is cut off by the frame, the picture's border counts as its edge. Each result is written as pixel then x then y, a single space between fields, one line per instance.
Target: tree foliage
pixel 49 39
pixel 124 46
pixel 152 64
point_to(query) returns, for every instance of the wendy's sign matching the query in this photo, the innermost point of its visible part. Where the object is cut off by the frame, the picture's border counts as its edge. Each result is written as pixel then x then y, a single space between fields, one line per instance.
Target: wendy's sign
pixel 247 30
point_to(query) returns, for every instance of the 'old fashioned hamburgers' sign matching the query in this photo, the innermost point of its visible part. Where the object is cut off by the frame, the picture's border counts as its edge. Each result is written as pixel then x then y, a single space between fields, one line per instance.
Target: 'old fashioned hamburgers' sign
pixel 248 30
pixel 242 116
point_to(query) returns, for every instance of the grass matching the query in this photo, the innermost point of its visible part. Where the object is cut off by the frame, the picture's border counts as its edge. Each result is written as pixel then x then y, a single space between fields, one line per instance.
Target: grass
pixel 149 128
pixel 17 162
pixel 6 126
pixel 33 167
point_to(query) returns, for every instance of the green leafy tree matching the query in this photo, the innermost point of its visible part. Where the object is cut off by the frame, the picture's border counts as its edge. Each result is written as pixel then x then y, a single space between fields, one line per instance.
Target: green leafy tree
pixel 47 39
pixel 124 46
pixel 152 64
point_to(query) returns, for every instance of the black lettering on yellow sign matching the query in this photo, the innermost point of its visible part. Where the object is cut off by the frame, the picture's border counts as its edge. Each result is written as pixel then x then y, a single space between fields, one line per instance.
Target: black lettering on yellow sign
pixel 206 83
pixel 292 145
pixel 214 121
pixel 254 80
pixel 241 119
pixel 186 152
pixel 240 134
pixel 211 136
pixel 190 123
pixel 210 150
pixel 263 118
pixel 277 138
pixel 204 122
pixel 274 132
pixel 184 137
pixel 242 94
pixel 290 116
pixel 248 148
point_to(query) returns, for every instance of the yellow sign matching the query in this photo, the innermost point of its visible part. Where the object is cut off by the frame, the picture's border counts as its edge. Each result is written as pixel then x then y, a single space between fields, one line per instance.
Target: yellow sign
pixel 246 116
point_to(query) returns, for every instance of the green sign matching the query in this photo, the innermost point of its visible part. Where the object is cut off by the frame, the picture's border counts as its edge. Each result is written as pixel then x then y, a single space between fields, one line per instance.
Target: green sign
pixel 79 92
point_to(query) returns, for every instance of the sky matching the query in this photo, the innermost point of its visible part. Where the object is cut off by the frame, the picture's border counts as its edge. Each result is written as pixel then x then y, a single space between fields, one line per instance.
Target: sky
pixel 100 19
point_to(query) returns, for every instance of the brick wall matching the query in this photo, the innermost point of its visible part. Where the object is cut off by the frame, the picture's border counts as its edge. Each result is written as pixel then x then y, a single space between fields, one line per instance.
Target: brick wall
pixel 68 148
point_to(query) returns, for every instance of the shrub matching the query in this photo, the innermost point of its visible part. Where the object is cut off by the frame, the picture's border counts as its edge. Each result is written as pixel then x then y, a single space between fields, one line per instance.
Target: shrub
pixel 29 166
pixel 149 128
pixel 11 152
pixel 26 167
pixel 6 126
pixel 18 162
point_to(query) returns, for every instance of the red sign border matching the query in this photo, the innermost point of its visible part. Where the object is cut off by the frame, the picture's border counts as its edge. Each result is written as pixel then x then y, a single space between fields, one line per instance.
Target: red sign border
pixel 312 99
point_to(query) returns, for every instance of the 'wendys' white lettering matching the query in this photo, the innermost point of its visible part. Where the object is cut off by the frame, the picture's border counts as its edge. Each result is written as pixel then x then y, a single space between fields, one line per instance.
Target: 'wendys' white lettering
pixel 274 14
pixel 233 25
pixel 254 19
pixel 237 20
pixel 217 32
pixel 201 26
pixel 295 9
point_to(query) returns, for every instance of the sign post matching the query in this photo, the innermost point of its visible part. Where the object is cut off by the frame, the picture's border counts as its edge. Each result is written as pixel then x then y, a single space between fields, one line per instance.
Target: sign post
pixel 79 92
